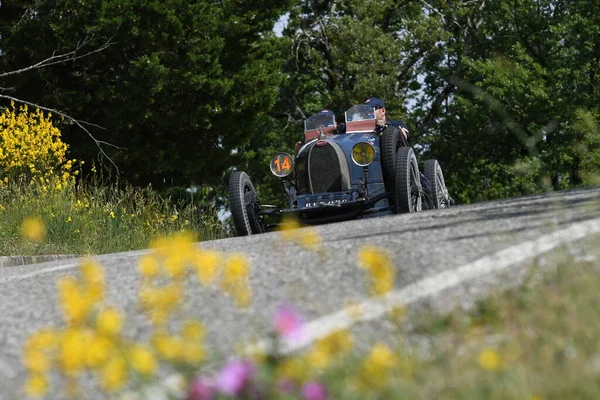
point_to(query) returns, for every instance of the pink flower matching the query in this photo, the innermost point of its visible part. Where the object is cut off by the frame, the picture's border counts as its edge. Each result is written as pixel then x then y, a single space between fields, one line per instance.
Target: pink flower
pixel 314 391
pixel 234 376
pixel 288 323
pixel 201 388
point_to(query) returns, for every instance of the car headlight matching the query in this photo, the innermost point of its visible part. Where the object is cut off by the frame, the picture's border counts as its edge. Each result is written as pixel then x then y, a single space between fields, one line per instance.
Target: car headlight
pixel 282 165
pixel 363 154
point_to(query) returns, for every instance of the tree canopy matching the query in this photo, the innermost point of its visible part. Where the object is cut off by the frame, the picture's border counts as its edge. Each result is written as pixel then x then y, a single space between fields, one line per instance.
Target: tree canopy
pixel 503 93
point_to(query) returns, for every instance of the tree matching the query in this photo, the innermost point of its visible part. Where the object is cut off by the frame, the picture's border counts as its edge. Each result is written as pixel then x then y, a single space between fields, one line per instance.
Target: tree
pixel 336 54
pixel 181 87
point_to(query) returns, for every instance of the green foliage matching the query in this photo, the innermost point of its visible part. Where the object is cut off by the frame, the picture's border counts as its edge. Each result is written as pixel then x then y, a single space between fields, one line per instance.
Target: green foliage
pixel 97 219
pixel 181 85
pixel 504 94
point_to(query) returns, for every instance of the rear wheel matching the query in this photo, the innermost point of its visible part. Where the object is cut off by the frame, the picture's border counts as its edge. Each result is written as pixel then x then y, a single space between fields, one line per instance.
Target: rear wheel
pixel 244 205
pixel 407 190
pixel 435 176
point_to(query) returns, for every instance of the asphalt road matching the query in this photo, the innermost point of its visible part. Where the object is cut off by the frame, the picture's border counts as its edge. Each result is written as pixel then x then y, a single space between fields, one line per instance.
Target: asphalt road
pixel 436 253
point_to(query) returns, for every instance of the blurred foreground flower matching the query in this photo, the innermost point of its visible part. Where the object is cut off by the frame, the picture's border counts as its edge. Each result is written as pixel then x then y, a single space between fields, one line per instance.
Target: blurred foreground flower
pixel 235 376
pixel 489 359
pixel 377 369
pixel 314 391
pixel 202 388
pixel 380 268
pixel 307 237
pixel 33 229
pixel 330 348
pixel 288 324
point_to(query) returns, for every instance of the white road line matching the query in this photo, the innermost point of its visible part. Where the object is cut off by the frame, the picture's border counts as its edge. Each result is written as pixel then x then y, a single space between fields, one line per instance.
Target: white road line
pixel 376 307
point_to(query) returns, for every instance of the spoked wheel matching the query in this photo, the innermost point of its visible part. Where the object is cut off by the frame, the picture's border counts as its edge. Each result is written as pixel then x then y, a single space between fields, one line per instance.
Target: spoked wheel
pixel 407 188
pixel 439 194
pixel 244 205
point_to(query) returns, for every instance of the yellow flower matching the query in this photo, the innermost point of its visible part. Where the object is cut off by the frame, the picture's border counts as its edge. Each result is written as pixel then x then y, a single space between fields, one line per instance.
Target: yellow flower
pixel 489 359
pixel 45 339
pixel 235 279
pixel 72 351
pixel 378 368
pixel 36 385
pixel 175 264
pixel 242 296
pixel 148 266
pixel 332 346
pixel 318 359
pixel 193 331
pixel 206 263
pixel 194 353
pixel 168 347
pixel 33 229
pixel 112 215
pixel 109 322
pixel 236 267
pixel 69 219
pixel 142 360
pixel 113 375
pixel 294 368
pixel 310 239
pixel 91 272
pixel 36 361
pixel 380 268
pixel 288 228
pixel 98 351
pixel 382 357
pixel 75 304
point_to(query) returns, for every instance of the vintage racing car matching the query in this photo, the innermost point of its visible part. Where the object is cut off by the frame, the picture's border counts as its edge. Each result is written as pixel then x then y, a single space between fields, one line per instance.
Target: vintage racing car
pixel 335 177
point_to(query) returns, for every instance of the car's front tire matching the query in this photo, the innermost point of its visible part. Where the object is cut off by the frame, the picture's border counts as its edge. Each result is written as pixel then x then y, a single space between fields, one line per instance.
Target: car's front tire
pixel 407 187
pixel 244 205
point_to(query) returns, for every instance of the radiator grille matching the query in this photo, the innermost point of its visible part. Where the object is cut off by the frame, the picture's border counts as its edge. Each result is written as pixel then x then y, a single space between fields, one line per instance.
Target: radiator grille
pixel 324 169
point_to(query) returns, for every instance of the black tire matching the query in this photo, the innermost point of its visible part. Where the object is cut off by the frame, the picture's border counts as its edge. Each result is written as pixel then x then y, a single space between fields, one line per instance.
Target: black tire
pixel 435 176
pixel 408 191
pixel 389 146
pixel 243 199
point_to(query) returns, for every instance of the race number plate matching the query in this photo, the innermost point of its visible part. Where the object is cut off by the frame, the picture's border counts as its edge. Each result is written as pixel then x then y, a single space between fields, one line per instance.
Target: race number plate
pixel 282 165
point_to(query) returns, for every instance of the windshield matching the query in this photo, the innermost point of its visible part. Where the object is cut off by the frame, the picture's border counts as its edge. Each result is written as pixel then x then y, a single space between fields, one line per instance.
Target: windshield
pixel 319 119
pixel 360 112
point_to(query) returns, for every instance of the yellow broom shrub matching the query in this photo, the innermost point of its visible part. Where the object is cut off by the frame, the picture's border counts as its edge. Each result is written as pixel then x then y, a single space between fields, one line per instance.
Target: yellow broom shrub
pixel 31 148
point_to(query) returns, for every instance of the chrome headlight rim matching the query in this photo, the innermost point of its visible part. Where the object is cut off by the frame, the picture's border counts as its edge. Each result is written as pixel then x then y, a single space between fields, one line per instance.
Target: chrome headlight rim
pixel 363 164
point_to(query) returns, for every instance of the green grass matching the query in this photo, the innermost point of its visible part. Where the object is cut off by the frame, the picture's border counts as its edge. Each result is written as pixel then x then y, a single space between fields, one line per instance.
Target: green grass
pixel 545 333
pixel 91 219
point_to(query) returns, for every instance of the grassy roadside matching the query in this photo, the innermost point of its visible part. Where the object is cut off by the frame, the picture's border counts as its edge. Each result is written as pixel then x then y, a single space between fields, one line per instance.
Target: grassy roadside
pixel 90 219
pixel 537 341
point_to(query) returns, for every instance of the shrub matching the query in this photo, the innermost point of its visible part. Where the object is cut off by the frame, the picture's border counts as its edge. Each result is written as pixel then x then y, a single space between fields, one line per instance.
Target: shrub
pixel 31 148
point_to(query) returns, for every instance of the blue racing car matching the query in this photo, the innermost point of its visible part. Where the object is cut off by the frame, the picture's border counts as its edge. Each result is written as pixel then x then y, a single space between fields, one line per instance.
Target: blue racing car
pixel 339 176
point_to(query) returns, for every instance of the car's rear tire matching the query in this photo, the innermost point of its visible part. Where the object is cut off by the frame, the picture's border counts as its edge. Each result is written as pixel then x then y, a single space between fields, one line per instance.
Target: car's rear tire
pixel 407 188
pixel 435 176
pixel 244 205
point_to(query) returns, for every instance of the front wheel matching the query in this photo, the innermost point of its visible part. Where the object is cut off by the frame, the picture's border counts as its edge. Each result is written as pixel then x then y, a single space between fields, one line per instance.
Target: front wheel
pixel 435 176
pixel 244 205
pixel 407 187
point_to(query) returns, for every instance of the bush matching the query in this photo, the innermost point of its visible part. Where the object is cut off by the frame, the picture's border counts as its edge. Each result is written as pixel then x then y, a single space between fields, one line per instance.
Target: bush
pixel 31 148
